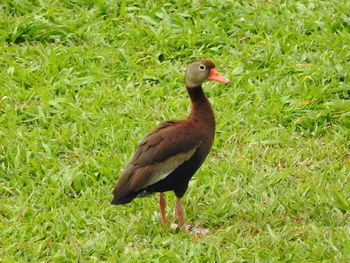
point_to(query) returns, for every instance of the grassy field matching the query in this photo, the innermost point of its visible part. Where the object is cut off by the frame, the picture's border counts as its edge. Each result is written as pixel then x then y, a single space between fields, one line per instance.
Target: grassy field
pixel 81 82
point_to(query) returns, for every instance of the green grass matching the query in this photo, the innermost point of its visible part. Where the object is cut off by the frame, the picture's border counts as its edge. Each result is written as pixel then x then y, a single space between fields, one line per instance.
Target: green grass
pixel 81 82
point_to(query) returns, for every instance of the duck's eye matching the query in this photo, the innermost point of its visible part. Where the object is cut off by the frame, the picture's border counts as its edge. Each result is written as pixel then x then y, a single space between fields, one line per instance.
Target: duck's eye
pixel 202 67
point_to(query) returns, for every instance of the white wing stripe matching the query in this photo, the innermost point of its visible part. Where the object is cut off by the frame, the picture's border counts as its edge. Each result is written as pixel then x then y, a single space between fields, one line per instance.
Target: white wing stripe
pixel 165 168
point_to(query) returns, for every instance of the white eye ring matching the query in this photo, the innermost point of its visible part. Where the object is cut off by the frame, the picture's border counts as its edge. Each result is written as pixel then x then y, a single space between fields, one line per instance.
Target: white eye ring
pixel 202 67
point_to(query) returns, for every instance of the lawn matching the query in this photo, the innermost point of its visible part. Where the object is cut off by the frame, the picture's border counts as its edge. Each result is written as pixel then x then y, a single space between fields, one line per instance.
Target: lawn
pixel 81 83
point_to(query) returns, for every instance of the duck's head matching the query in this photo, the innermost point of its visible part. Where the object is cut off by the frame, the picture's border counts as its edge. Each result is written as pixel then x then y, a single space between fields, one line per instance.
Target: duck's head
pixel 201 70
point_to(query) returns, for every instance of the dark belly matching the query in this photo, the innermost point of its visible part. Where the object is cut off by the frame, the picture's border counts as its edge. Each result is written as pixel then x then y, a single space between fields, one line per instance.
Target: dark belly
pixel 178 180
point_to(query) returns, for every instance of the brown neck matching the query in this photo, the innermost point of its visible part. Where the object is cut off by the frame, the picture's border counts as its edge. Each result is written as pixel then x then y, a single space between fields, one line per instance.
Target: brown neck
pixel 201 109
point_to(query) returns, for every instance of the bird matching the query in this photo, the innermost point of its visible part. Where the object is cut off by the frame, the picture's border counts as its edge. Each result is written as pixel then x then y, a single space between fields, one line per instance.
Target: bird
pixel 168 157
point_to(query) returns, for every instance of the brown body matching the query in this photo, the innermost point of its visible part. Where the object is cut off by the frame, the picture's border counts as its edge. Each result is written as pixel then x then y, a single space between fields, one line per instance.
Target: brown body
pixel 182 143
pixel 168 157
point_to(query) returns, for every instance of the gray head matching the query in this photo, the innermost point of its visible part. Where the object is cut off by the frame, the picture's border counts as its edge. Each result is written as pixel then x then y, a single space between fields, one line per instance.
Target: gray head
pixel 201 70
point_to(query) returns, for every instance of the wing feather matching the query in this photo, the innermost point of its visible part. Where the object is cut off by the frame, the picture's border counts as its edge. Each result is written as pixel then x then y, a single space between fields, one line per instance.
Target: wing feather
pixel 164 149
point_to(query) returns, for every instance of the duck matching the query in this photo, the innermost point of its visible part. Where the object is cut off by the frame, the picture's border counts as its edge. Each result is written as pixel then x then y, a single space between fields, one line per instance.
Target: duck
pixel 168 157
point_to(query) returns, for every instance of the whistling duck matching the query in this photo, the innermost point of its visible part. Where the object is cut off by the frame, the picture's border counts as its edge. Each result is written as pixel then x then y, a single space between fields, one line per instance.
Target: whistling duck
pixel 168 157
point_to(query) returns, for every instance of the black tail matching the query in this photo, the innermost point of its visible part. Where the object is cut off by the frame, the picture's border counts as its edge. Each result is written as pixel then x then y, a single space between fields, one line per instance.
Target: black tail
pixel 121 200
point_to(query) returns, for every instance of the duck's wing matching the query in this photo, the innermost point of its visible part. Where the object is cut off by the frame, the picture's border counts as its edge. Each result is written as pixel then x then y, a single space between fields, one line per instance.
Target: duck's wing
pixel 169 145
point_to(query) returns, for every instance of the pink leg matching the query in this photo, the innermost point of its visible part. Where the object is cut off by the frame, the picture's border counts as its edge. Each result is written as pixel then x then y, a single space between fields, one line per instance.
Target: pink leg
pixel 181 221
pixel 162 209
pixel 179 212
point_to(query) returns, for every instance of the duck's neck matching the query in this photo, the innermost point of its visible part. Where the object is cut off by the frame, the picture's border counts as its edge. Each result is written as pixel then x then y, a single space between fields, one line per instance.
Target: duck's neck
pixel 201 109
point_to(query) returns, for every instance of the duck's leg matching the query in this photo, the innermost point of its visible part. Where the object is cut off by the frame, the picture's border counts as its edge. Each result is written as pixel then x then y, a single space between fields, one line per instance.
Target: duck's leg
pixel 181 221
pixel 179 212
pixel 162 205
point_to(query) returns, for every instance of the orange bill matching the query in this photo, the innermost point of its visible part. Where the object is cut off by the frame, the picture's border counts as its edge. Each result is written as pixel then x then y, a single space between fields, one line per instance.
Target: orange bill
pixel 215 75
